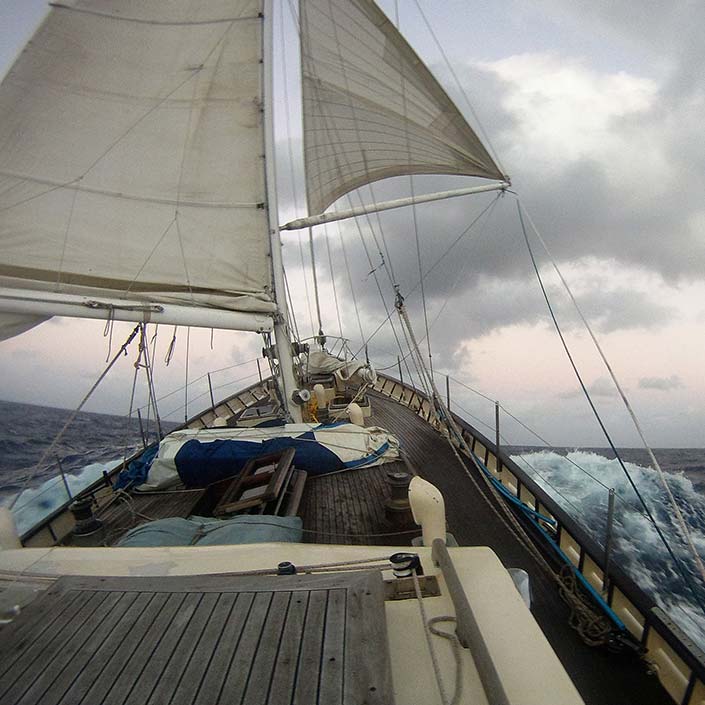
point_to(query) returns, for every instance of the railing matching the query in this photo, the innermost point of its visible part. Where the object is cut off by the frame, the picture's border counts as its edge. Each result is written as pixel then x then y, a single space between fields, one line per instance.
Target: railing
pixel 679 663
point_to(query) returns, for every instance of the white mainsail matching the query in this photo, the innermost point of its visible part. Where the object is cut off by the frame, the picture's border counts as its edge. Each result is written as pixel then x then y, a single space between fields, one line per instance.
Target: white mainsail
pixel 131 156
pixel 372 109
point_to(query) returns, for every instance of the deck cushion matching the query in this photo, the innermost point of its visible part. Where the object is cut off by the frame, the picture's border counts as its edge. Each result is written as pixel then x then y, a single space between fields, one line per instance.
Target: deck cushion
pixel 206 531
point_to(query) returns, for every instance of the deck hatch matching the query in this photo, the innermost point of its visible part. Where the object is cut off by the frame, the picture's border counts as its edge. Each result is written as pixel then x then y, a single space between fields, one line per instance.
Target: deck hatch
pixel 201 640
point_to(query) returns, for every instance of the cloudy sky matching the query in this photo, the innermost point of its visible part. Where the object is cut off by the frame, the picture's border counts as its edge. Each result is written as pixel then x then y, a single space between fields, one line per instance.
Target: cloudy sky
pixel 596 113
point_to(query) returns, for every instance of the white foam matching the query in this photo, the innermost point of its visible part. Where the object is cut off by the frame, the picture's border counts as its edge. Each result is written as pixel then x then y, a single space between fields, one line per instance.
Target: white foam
pixel 639 549
pixel 35 503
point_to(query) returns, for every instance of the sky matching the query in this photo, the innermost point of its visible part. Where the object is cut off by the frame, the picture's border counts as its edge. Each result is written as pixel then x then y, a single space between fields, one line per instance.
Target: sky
pixel 595 111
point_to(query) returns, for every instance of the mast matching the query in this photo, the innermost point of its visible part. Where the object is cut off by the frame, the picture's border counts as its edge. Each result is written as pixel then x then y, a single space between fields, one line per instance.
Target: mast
pixel 281 332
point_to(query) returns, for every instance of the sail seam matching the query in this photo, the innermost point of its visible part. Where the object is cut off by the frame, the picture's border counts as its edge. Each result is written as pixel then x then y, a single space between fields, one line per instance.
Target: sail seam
pixel 73 185
pixel 139 20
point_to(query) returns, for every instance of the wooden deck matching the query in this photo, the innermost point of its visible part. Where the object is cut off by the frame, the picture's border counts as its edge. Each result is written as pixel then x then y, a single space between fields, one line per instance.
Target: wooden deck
pixel 201 640
pixel 348 508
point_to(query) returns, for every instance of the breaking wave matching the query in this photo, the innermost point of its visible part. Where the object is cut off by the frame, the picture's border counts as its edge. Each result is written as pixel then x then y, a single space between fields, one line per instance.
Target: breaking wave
pixel 579 482
pixel 35 503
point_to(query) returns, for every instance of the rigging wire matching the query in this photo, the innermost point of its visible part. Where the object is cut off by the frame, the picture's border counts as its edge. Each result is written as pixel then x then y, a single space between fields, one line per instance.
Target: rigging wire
pixel 332 278
pixel 315 281
pixel 186 365
pixel 122 351
pixel 485 137
pixel 414 215
pixel 292 175
pixel 198 379
pixel 608 437
pixel 140 354
pixel 533 433
pixel 172 347
pixel 350 283
pixel 149 370
pixel 293 324
pixel 534 470
pixel 661 475
pixel 488 209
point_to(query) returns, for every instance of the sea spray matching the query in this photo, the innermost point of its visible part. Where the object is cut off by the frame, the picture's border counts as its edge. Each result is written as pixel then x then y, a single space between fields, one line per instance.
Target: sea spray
pixel 579 482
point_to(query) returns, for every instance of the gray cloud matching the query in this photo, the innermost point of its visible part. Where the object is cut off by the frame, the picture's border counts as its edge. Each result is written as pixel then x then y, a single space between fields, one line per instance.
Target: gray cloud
pixel 645 223
pixel 663 384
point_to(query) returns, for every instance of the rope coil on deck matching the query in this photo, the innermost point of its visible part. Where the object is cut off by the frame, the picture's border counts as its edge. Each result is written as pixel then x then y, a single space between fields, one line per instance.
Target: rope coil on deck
pixel 594 629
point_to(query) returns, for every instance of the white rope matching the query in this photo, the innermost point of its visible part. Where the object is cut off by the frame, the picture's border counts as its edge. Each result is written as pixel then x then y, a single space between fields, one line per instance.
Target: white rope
pixel 428 632
pixel 661 475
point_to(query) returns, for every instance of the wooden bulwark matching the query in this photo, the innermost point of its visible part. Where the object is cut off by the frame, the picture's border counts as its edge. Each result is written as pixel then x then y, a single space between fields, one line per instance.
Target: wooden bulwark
pixel 201 640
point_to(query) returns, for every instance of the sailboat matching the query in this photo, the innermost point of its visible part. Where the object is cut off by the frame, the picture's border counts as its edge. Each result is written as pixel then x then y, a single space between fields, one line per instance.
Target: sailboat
pixel 330 534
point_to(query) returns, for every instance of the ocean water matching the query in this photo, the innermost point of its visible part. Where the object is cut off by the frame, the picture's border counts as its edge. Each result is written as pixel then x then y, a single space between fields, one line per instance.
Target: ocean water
pixel 577 478
pixel 93 444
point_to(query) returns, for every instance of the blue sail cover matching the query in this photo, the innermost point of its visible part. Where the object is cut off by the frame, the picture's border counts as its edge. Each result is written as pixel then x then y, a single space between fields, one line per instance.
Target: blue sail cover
pixel 200 464
pixel 199 457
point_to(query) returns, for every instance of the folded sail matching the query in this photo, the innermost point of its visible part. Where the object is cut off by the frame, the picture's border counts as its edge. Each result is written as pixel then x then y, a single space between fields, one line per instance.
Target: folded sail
pixel 371 108
pixel 131 143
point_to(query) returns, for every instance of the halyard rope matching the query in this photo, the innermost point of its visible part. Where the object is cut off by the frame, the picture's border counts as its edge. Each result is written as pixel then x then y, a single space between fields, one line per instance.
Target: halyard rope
pixel 661 475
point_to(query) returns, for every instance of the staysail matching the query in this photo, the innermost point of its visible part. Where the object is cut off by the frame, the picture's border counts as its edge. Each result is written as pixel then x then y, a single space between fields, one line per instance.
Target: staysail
pixel 131 156
pixel 371 108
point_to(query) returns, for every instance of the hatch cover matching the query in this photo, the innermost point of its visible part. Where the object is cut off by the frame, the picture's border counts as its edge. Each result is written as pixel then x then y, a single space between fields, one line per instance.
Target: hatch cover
pixel 202 640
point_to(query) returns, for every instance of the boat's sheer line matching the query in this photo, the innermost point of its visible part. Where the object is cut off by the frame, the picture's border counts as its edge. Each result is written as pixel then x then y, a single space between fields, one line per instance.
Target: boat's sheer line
pixel 203 394
pixel 203 376
pixel 605 432
pixel 548 445
pixel 142 20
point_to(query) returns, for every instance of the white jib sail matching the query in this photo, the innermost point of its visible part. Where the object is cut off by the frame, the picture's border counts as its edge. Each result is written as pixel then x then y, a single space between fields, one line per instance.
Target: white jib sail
pixel 131 155
pixel 371 108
